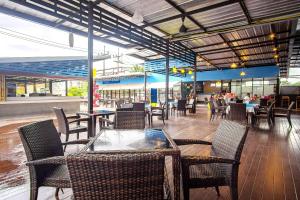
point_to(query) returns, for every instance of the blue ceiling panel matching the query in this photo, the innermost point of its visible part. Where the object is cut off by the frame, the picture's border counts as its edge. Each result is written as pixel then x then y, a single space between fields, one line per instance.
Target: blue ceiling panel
pixel 60 68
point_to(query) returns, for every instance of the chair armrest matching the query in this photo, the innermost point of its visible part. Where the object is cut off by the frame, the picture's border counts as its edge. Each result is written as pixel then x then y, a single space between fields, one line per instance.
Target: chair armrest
pixel 194 160
pixel 190 141
pixel 83 141
pixel 55 160
pixel 73 117
pixel 280 109
pixel 79 120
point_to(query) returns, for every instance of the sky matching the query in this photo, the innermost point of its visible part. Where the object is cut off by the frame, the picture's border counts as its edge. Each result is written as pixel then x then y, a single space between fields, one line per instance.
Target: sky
pixel 16 37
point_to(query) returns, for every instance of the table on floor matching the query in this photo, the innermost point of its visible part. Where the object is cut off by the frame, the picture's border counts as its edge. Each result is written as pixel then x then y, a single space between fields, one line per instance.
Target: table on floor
pixel 93 116
pixel 138 141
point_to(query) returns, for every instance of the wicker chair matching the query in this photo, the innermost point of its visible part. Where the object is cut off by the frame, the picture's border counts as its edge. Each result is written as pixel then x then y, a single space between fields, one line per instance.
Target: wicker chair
pixel 283 112
pixel 129 120
pixel 117 176
pixel 64 125
pixel 45 156
pixel 138 106
pixel 219 169
pixel 268 115
pixel 238 112
pixel 191 106
pixel 181 106
pixel 157 111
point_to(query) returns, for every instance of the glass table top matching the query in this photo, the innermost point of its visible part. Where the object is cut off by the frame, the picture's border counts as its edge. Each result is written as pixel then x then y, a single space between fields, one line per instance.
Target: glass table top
pixel 147 139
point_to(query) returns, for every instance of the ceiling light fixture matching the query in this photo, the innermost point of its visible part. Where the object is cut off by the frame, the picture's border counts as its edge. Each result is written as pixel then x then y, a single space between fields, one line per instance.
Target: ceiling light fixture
pixel 174 70
pixel 182 28
pixel 182 71
pixel 272 36
pixel 190 72
pixel 276 56
pixel 275 49
pixel 137 17
pixel 233 65
pixel 243 73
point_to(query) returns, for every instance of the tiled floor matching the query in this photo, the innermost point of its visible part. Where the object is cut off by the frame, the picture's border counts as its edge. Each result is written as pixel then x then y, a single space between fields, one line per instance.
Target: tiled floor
pixel 270 164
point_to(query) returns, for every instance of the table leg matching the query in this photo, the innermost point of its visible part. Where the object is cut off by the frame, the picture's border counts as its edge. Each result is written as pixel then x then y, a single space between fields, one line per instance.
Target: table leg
pixel 176 175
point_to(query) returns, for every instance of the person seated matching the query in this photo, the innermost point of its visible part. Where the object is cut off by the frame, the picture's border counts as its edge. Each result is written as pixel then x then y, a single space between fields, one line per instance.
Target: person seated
pixel 247 98
pixel 254 98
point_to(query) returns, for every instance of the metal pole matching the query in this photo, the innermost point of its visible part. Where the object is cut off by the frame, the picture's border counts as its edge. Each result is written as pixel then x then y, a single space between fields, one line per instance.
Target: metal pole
pixel 195 76
pixel 66 88
pixel 90 59
pixel 167 82
pixel 145 86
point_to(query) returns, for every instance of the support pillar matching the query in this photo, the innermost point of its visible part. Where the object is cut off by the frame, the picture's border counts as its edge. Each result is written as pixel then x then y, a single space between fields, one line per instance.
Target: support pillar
pixel 145 86
pixel 66 84
pixel 195 76
pixel 90 59
pixel 167 83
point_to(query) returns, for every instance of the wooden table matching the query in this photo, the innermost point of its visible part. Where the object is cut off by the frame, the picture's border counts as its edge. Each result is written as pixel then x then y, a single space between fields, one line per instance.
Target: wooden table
pixel 138 141
pixel 93 122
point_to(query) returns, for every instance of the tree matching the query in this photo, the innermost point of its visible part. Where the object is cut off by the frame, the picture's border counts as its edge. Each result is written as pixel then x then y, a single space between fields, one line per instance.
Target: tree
pixel 137 68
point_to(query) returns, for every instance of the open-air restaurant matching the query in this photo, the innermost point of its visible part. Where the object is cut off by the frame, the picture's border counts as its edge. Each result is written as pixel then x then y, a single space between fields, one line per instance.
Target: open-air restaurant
pixel 149 100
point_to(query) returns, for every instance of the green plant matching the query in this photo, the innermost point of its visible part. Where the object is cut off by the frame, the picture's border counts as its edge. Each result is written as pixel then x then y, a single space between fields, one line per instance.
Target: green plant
pixel 77 91
pixel 137 68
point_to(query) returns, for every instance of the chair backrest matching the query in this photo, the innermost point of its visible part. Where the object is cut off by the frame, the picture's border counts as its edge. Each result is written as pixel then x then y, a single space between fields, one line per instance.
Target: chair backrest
pixel 290 108
pixel 263 102
pixel 270 109
pixel 117 176
pixel 130 120
pixel 62 121
pixel 191 101
pixel 181 104
pixel 138 106
pixel 239 101
pixel 238 111
pixel 40 140
pixel 229 140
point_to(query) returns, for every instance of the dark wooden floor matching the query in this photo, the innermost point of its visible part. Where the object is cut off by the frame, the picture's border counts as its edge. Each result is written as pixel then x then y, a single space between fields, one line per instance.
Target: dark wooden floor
pixel 270 164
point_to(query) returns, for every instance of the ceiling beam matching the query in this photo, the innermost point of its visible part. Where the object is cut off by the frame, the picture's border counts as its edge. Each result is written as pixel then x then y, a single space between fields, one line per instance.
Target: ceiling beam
pixel 247 55
pixel 174 5
pixel 229 45
pixel 190 35
pixel 196 11
pixel 238 40
pixel 246 12
pixel 248 46
pixel 259 59
pixel 130 15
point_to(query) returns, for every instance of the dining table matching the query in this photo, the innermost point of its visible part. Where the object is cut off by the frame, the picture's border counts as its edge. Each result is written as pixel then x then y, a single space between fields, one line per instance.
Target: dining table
pixel 138 141
pixel 93 122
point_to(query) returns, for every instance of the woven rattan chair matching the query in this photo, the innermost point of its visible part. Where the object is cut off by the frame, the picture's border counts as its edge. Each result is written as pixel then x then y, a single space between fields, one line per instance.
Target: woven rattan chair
pixel 157 111
pixel 138 106
pixel 64 124
pixel 45 156
pixel 238 112
pixel 222 166
pixel 181 106
pixel 268 115
pixel 129 120
pixel 117 176
pixel 283 112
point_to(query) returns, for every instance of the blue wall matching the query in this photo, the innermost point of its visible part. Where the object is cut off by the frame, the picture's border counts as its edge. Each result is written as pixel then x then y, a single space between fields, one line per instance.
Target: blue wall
pixel 255 72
